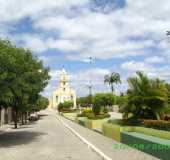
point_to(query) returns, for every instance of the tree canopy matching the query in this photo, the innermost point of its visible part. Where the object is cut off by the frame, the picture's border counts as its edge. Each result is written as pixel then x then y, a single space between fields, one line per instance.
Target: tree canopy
pixel 22 77
pixel 146 98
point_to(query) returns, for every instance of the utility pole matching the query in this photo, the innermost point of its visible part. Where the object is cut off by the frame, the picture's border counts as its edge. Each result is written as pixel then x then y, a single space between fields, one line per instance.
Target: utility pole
pixel 90 86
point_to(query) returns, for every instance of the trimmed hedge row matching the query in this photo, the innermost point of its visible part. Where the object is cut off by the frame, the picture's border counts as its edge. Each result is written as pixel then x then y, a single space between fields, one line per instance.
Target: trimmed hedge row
pixel 157 124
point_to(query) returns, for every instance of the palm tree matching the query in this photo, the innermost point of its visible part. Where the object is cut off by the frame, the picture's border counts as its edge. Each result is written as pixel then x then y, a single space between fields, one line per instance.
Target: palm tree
pixel 147 98
pixel 113 78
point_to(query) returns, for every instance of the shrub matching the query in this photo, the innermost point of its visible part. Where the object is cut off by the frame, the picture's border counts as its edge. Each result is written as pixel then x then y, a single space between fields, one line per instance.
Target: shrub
pixel 124 122
pixel 60 107
pixel 167 118
pixel 66 106
pixel 146 98
pixel 99 116
pixel 85 112
pixel 89 114
pixel 157 124
pixel 105 110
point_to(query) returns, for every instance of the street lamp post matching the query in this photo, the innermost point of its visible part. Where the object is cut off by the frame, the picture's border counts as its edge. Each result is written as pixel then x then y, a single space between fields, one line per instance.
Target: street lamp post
pixel 90 87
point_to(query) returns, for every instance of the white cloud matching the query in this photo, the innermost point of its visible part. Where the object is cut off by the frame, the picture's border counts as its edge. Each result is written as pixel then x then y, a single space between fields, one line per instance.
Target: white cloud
pixel 18 9
pixel 107 35
pixel 162 72
pixel 65 45
pixel 155 60
pixel 138 29
pixel 136 66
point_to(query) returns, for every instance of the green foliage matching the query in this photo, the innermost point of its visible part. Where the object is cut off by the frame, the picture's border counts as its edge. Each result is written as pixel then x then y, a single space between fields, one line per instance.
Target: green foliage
pixel 146 98
pixel 99 116
pixel 60 107
pixel 90 114
pixel 84 101
pixel 96 107
pixel 157 124
pixel 112 79
pixel 85 112
pixel 102 100
pixel 22 78
pixel 42 103
pixel 66 106
pixel 105 110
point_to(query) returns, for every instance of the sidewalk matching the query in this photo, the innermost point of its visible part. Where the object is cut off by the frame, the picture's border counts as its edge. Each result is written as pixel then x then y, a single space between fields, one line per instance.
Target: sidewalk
pixel 5 128
pixel 107 145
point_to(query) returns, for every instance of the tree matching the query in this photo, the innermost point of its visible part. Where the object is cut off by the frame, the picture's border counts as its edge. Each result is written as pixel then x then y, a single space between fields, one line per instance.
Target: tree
pixel 146 98
pixel 112 79
pixel 104 99
pixel 168 93
pixel 42 103
pixel 22 78
pixel 67 105
pixel 84 101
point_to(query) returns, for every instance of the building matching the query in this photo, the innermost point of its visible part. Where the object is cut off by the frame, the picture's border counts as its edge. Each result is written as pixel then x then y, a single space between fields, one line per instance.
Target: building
pixel 5 115
pixel 64 91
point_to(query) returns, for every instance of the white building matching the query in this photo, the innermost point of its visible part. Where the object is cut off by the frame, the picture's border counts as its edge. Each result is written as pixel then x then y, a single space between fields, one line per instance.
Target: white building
pixel 64 91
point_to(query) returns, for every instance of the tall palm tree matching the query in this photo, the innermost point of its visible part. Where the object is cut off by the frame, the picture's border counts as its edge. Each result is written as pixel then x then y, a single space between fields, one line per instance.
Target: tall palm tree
pixel 113 78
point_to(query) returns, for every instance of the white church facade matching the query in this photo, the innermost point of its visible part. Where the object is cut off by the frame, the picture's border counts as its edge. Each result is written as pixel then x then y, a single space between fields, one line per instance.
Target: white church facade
pixel 64 92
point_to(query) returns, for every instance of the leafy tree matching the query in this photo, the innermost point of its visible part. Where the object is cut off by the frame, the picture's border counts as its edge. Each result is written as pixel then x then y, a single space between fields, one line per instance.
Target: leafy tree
pixel 67 105
pixel 146 98
pixel 104 99
pixel 168 93
pixel 42 103
pixel 84 101
pixel 22 78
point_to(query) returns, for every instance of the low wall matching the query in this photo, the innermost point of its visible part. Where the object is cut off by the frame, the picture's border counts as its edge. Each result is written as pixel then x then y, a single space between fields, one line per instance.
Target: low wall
pixel 157 147
pixel 95 124
pixel 112 131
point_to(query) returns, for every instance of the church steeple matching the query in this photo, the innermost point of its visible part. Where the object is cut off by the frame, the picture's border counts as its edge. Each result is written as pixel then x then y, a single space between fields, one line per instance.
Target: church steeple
pixel 64 91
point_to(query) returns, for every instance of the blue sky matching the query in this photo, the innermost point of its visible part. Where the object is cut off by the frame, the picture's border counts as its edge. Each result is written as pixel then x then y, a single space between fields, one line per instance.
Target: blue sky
pixel 121 35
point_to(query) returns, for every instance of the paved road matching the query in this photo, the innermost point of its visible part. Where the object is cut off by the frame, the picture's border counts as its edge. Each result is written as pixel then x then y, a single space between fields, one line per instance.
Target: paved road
pixel 47 139
pixel 108 146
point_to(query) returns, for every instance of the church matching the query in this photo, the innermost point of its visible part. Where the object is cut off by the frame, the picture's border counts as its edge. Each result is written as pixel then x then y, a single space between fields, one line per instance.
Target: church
pixel 64 91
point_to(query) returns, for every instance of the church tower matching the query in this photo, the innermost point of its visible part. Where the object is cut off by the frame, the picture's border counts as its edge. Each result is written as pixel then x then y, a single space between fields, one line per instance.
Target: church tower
pixel 64 91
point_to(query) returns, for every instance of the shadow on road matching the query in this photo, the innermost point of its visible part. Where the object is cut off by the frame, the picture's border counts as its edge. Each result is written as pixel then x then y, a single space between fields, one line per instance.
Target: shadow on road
pixel 14 138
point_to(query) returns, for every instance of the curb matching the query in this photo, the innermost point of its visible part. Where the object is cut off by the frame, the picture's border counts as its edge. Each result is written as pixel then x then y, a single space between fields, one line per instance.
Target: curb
pixel 90 145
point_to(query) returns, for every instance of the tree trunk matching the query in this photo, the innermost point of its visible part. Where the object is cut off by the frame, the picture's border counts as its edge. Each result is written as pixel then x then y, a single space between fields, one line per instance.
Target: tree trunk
pixel 112 88
pixel 25 117
pixel 15 118
pixel 22 118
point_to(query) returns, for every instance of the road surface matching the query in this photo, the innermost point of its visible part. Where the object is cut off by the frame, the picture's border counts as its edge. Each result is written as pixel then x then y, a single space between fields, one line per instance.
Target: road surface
pixel 46 139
